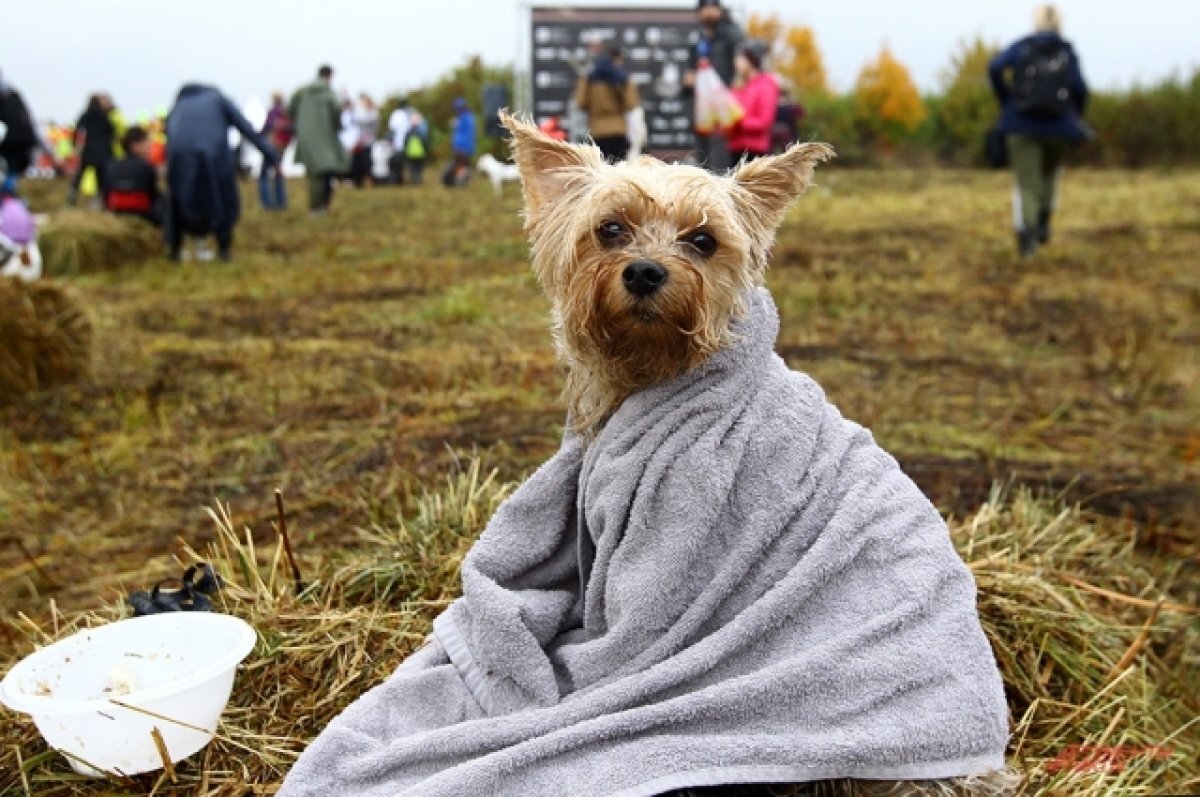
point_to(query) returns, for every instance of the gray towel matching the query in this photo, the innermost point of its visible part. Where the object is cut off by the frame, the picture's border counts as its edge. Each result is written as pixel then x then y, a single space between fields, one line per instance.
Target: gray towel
pixel 730 584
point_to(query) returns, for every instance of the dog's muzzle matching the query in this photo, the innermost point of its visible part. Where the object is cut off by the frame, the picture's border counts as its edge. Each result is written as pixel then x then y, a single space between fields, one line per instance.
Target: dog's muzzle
pixel 643 277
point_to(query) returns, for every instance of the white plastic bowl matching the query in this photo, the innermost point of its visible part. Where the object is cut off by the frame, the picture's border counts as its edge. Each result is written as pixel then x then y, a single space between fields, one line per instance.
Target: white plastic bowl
pixel 177 667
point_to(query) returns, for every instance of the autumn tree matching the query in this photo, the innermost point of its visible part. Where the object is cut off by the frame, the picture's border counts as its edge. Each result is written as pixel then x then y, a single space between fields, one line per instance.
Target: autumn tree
pixel 794 53
pixel 886 100
pixel 968 107
pixel 765 28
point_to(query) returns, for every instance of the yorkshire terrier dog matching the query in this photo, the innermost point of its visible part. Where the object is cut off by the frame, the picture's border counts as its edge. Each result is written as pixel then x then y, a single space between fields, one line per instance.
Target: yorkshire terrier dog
pixel 647 265
pixel 647 275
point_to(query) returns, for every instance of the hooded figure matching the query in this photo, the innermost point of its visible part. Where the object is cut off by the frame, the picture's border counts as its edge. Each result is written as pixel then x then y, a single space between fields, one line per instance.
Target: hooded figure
pixel 316 113
pixel 201 169
pixel 18 136
pixel 607 95
pixel 462 144
pixel 462 136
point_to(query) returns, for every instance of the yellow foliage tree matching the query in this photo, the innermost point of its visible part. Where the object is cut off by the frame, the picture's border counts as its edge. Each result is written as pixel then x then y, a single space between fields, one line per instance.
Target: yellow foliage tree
pixel 794 53
pixel 765 28
pixel 803 64
pixel 885 98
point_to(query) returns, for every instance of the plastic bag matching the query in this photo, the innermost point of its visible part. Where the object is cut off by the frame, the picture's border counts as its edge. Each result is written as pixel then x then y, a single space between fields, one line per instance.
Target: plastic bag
pixel 635 123
pixel 716 107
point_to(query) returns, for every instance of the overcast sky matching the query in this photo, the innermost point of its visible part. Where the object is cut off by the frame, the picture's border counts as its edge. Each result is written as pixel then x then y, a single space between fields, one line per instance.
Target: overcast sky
pixel 58 51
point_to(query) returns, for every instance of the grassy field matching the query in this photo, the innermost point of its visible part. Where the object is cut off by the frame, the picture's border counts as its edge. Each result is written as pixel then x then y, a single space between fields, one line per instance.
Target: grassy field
pixel 357 361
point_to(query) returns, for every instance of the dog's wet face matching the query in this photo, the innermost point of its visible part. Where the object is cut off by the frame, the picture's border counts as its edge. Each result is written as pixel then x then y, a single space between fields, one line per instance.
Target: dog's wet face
pixel 647 263
pixel 659 264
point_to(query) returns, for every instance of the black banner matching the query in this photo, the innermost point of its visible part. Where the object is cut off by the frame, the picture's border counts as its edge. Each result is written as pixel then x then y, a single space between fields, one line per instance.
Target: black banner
pixel 656 44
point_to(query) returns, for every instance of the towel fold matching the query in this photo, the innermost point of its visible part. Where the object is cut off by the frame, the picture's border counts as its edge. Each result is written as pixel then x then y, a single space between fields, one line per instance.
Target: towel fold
pixel 730 584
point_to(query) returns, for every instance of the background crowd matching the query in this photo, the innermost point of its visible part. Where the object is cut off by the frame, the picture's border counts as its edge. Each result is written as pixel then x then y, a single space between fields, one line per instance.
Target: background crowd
pixel 201 144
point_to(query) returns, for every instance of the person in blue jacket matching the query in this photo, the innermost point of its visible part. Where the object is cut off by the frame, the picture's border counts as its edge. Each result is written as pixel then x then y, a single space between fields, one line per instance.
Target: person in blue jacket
pixel 201 172
pixel 1040 86
pixel 462 143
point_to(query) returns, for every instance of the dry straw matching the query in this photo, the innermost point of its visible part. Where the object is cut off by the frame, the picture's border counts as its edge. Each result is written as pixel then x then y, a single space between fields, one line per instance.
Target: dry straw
pixel 1097 646
pixel 77 242
pixel 18 347
pixel 45 338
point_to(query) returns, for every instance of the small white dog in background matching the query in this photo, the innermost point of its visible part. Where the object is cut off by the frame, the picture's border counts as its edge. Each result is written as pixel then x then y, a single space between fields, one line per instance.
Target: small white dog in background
pixel 499 173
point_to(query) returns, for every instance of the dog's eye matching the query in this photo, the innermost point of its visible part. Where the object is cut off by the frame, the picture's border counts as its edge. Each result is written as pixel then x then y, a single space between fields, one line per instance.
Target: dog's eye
pixel 703 243
pixel 611 233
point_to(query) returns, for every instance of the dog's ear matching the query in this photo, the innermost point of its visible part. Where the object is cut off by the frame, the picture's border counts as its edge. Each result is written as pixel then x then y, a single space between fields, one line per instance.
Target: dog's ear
pixel 771 184
pixel 548 167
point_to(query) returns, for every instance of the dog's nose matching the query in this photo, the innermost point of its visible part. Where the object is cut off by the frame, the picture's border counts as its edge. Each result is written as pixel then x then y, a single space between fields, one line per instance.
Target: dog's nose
pixel 643 277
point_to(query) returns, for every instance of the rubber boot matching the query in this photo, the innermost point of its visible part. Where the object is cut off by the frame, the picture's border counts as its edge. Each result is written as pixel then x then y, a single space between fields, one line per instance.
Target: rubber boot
pixel 1026 243
pixel 1043 228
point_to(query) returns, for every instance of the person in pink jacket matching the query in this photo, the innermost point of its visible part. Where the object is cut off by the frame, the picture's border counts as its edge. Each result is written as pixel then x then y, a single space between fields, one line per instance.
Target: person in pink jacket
pixel 758 93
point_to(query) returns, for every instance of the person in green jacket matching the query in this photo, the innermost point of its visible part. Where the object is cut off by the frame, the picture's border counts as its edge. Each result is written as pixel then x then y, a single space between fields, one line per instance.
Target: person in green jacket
pixel 316 113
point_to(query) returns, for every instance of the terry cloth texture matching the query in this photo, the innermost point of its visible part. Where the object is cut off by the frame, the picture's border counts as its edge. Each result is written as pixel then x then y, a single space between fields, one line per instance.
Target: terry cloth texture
pixel 730 583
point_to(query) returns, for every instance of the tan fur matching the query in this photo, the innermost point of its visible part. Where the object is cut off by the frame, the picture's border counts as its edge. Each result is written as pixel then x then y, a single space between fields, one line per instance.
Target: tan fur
pixel 611 343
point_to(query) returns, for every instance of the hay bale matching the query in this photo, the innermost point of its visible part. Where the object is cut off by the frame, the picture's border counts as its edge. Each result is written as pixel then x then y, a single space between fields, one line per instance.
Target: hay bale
pixel 76 242
pixel 64 345
pixel 1094 636
pixel 45 338
pixel 18 340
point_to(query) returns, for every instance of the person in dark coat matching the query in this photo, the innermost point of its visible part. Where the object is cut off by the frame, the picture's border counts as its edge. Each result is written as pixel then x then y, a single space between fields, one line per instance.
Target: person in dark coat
pixel 18 134
pixel 720 41
pixel 201 171
pixel 94 137
pixel 1040 86
pixel 131 185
